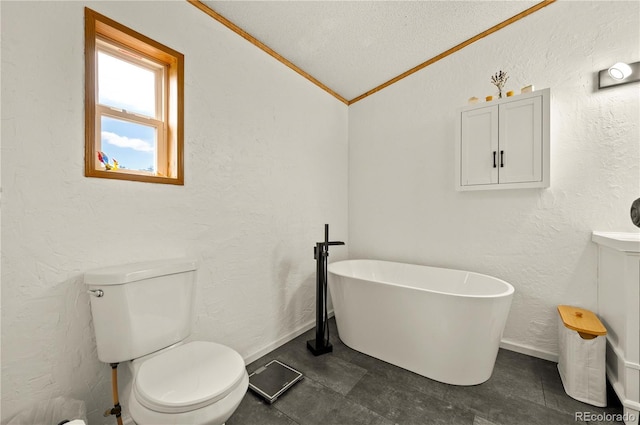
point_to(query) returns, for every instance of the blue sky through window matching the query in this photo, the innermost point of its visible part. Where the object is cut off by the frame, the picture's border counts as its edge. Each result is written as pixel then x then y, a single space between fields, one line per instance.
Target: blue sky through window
pixel 126 86
pixel 132 145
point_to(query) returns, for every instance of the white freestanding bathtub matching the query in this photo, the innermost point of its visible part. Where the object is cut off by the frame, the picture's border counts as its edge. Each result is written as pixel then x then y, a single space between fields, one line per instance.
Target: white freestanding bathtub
pixel 440 323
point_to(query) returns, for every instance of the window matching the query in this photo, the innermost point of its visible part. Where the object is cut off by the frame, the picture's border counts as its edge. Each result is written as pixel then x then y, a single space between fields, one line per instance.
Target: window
pixel 133 105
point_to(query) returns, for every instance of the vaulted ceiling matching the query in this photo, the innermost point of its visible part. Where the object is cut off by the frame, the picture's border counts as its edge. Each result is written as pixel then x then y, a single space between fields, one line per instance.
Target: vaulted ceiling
pixel 353 47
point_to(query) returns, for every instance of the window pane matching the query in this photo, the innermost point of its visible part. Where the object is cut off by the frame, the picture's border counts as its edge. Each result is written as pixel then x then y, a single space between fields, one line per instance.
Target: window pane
pixel 132 145
pixel 126 86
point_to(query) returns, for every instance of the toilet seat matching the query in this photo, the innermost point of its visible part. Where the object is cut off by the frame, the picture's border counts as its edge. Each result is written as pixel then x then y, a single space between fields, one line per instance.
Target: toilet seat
pixel 188 377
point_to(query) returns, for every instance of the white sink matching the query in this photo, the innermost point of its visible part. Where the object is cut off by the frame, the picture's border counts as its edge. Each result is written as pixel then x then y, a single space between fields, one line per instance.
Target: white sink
pixel 622 241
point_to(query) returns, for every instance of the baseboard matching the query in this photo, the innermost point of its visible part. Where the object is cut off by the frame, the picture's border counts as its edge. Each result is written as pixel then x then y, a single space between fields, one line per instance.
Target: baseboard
pixel 528 350
pixel 282 340
pixel 504 343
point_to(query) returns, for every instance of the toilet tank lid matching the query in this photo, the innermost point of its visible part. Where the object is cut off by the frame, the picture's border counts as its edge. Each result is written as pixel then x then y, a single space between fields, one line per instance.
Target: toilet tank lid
pixel 125 273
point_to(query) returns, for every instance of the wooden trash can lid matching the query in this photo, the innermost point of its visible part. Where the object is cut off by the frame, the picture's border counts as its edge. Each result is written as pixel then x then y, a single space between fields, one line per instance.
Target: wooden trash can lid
pixel 581 320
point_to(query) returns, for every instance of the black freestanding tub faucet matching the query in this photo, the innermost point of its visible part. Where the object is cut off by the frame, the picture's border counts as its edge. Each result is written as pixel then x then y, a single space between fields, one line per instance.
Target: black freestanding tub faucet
pixel 321 344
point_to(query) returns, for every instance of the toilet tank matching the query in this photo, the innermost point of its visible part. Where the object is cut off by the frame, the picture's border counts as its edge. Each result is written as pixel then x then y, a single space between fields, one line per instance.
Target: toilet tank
pixel 142 307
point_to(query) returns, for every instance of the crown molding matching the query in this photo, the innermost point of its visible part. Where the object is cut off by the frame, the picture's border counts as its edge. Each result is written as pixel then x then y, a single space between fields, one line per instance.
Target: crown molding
pixel 235 28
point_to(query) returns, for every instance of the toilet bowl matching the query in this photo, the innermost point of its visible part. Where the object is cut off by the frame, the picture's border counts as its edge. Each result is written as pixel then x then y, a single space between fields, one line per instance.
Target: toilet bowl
pixel 197 383
pixel 142 315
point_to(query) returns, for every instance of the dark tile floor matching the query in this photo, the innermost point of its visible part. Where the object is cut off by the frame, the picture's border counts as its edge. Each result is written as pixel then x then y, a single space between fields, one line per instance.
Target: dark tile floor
pixel 350 388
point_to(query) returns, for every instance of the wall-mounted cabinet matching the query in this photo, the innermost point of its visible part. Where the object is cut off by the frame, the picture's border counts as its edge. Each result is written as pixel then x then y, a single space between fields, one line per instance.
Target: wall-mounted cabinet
pixel 504 144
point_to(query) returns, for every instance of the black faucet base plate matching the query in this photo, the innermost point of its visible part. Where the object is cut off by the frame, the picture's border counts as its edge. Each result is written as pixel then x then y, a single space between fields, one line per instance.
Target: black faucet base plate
pixel 319 349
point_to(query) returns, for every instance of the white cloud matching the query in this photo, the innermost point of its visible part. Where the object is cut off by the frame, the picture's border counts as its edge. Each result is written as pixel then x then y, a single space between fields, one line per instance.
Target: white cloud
pixel 126 142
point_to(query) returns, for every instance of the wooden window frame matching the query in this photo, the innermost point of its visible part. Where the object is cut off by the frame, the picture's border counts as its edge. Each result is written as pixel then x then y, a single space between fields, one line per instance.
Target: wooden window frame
pixel 102 33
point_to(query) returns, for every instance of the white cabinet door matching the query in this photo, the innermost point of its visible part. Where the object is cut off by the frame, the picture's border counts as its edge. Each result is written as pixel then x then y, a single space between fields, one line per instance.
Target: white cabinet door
pixel 479 146
pixel 521 141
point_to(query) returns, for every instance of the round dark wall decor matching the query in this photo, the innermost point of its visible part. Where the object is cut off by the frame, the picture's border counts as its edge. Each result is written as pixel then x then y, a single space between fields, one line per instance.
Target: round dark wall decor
pixel 635 212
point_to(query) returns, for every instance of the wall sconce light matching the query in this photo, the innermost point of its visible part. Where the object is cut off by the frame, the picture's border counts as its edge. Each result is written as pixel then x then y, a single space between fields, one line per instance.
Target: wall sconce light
pixel 618 74
pixel 619 71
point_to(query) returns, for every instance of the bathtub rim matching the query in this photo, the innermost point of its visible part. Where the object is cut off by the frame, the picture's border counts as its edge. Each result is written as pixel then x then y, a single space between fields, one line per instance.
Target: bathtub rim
pixel 509 287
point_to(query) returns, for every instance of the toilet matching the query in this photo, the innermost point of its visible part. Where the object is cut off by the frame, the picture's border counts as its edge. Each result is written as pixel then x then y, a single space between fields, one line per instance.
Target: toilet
pixel 142 314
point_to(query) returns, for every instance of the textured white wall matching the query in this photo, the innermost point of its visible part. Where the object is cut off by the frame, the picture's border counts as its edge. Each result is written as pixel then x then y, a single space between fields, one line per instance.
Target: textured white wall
pixel 258 139
pixel 402 202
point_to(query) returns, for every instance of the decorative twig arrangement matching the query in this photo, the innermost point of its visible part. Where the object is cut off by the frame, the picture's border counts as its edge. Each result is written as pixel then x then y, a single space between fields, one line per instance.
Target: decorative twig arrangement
pixel 499 80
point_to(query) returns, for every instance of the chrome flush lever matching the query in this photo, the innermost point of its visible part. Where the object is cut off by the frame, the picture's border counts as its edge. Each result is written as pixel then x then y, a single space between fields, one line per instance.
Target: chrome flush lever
pixel 96 292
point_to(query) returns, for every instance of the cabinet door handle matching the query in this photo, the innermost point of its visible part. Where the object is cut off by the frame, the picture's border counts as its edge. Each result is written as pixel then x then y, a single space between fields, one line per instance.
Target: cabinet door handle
pixel 501 158
pixel 494 159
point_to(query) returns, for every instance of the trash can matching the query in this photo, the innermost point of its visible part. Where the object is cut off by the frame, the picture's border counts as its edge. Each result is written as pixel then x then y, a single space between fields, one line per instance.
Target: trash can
pixel 582 355
pixel 54 411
